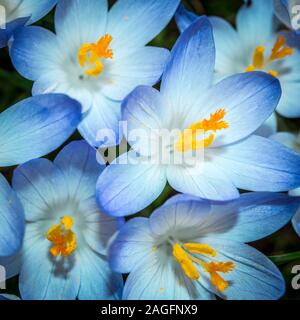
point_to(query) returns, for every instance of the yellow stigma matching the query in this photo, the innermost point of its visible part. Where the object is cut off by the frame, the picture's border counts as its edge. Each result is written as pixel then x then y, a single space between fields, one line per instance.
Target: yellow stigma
pixel 279 51
pixel 184 256
pixel 91 54
pixel 188 140
pixel 62 237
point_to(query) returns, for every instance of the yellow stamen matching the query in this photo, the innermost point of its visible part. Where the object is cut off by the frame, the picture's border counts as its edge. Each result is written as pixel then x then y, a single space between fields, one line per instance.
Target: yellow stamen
pixel 93 53
pixel 183 255
pixel 279 51
pixel 188 140
pixel 62 237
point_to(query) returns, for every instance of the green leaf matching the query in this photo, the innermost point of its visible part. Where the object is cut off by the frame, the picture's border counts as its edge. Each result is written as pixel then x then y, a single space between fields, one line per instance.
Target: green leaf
pixel 285 258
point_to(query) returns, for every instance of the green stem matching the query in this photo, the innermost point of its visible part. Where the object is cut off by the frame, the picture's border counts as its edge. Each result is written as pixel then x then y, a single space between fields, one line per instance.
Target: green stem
pixel 285 258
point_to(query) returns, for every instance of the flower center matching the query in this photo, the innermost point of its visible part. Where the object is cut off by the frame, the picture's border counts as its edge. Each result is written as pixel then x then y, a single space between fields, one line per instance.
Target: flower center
pixel 184 256
pixel 279 51
pixel 62 237
pixel 90 55
pixel 188 140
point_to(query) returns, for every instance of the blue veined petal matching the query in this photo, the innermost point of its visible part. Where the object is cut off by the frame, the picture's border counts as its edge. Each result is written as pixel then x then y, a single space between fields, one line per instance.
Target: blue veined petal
pixel 259 164
pixel 184 18
pixel 12 264
pixel 99 228
pixel 78 22
pixel 285 13
pixel 35 9
pixel 9 297
pixel 268 128
pixel 251 217
pixel 289 103
pixel 134 23
pixel 81 169
pixel 146 110
pixel 191 66
pixel 100 126
pixel 36 126
pixel 248 99
pixel 159 277
pixel 144 66
pixel 228 44
pixel 132 244
pixel 39 184
pixel 11 220
pixel 42 276
pixel 254 277
pixel 124 189
pixel 288 139
pixel 34 52
pixel 255 23
pixel 97 281
pixel 10 28
pixel 205 180
pixel 181 215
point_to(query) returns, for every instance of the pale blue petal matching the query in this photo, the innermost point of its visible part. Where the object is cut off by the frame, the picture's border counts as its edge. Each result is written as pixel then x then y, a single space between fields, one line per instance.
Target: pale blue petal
pixel 190 67
pixel 289 103
pixel 11 220
pixel 35 51
pixel 78 22
pixel 97 281
pixel 255 23
pixel 100 126
pixel 184 18
pixel 268 128
pixel 80 168
pixel 134 23
pixel 132 244
pixel 144 66
pixel 10 28
pixel 36 126
pixel 39 185
pixel 124 189
pixel 259 164
pixel 288 139
pixel 12 264
pixel 254 277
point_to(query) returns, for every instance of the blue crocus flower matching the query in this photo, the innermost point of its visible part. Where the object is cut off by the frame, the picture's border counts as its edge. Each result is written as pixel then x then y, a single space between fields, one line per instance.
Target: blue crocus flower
pixel 255 45
pixel 64 248
pixel 96 56
pixel 17 13
pixel 194 249
pixel 228 113
pixel 29 129
pixel 291 140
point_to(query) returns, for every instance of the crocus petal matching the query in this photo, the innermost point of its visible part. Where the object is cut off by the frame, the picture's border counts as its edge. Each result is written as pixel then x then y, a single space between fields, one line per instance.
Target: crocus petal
pixel 259 164
pixel 251 217
pixel 99 228
pixel 34 51
pixel 11 220
pixel 227 42
pixel 48 278
pixel 35 10
pixel 254 277
pixel 132 244
pixel 124 189
pixel 184 18
pixel 255 22
pixel 38 183
pixel 158 277
pixel 100 126
pixel 10 28
pixel 249 99
pixel 134 23
pixel 191 65
pixel 288 139
pixel 80 167
pixel 206 181
pixel 8 297
pixel 145 111
pixel 179 216
pixel 79 22
pixel 289 104
pixel 36 126
pixel 12 264
pixel 142 67
pixel 296 222
pixel 268 128
pixel 98 282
